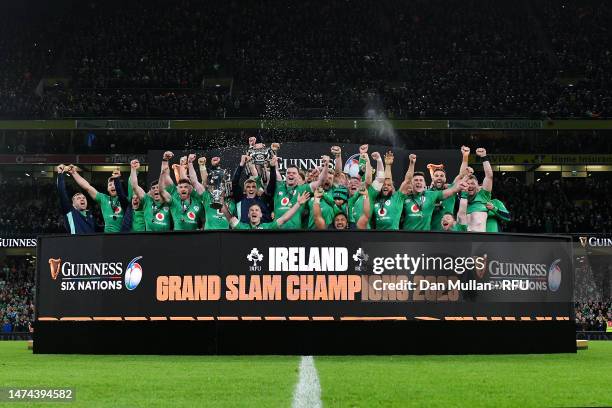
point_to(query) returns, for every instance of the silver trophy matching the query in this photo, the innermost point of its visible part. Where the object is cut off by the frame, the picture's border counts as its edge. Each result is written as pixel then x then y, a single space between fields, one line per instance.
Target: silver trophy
pixel 260 158
pixel 220 185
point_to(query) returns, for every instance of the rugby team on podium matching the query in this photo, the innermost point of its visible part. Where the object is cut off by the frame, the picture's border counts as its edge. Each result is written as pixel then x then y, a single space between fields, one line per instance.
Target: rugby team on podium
pixel 324 198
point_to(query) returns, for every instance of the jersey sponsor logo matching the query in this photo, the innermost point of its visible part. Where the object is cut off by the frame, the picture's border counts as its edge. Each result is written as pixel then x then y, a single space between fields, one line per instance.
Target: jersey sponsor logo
pixel 117 210
pixel 414 208
pixel 285 201
pixel 160 216
pixel 382 212
pixel 191 215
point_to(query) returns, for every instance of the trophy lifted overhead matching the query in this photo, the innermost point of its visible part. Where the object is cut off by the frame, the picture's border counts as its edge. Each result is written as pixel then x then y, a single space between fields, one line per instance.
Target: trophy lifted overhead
pixel 219 183
pixel 260 155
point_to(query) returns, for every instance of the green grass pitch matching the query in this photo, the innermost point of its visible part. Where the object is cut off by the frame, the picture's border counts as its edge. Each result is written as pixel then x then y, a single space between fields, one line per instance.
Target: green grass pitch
pixel 583 379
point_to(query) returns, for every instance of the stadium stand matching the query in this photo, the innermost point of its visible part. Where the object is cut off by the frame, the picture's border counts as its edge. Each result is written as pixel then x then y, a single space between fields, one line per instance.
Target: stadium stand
pixel 508 59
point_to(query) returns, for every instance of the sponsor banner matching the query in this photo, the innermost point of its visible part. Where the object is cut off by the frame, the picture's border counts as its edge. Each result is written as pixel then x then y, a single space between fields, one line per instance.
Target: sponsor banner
pixel 70 158
pixel 569 159
pixel 111 158
pixel 495 124
pixel 17 242
pixel 122 124
pixel 307 156
pixel 595 241
pixel 309 275
pixel 37 158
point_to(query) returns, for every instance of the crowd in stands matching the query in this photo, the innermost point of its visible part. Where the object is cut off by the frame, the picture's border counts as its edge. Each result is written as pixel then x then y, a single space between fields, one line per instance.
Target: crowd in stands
pixel 16 294
pixel 593 315
pixel 557 206
pixel 30 208
pixel 458 59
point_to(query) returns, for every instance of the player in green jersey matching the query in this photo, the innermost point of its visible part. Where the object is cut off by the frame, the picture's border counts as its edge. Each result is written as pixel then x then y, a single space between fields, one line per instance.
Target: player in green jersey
pixel 184 202
pixel 438 182
pixel 286 192
pixel 448 222
pixel 388 204
pixel 479 195
pixel 420 203
pixel 333 197
pixel 340 219
pixel 496 212
pixel 372 187
pixel 156 211
pixel 109 203
pixel 214 218
pixel 255 216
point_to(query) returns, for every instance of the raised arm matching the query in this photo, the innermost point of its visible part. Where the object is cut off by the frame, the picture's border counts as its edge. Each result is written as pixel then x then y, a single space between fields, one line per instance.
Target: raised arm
pixel 61 189
pixel 134 166
pixel 271 187
pixel 451 191
pixel 301 200
pixel 182 169
pixel 203 171
pixel 410 172
pixel 380 171
pixel 388 165
pixel 465 152
pixel 166 174
pixel 323 175
pixel 463 203
pixel 84 184
pixel 487 183
pixel 193 177
pixel 123 198
pixel 362 222
pixel 316 210
pixel 163 180
pixel 336 151
pixel 236 189
pixel 368 169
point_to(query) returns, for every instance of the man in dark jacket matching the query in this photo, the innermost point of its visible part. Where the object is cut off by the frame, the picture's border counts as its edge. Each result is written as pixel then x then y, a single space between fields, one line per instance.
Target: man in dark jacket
pixel 77 218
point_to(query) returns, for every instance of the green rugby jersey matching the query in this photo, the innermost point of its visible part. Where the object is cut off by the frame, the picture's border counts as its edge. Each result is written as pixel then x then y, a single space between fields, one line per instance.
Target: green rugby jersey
pixel 111 212
pixel 418 209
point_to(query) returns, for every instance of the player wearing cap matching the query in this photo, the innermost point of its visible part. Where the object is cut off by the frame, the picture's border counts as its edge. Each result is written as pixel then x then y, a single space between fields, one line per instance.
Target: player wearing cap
pixel 109 203
pixel 340 219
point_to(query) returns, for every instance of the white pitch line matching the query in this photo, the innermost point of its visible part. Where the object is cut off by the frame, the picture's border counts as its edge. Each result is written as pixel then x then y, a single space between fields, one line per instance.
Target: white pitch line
pixel 307 392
